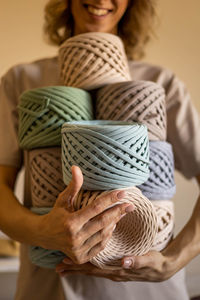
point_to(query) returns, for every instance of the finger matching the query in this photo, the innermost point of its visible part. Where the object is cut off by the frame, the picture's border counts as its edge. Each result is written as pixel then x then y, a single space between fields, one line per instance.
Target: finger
pixel 66 198
pixel 138 262
pixel 101 236
pixel 97 248
pixel 61 267
pixel 76 272
pixel 105 219
pixel 64 267
pixel 100 240
pixel 68 261
pixel 99 205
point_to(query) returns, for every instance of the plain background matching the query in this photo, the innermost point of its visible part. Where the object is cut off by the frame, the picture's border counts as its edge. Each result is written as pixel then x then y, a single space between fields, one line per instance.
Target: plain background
pixel 176 47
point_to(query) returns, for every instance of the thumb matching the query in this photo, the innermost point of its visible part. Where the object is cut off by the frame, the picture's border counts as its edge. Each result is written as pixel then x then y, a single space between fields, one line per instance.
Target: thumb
pixel 66 198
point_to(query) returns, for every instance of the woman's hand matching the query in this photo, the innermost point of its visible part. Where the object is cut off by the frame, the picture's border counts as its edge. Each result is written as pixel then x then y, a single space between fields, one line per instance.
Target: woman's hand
pixel 153 266
pixel 84 233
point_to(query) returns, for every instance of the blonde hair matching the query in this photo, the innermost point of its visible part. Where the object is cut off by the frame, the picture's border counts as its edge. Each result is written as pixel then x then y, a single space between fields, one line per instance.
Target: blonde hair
pixel 135 28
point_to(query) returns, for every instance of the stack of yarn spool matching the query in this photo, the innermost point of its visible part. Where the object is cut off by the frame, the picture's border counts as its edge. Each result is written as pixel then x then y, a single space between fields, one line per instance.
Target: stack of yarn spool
pixel 112 153
pixel 144 101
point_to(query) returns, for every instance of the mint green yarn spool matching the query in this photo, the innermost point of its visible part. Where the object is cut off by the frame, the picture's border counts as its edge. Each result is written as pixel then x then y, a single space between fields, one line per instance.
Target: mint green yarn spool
pixel 111 154
pixel 42 112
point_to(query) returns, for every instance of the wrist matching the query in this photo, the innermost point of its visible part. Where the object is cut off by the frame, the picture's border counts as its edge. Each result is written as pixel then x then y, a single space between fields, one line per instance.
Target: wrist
pixel 183 248
pixel 28 228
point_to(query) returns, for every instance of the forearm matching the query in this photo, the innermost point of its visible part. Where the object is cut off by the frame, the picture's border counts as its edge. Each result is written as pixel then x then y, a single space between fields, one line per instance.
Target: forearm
pixel 16 221
pixel 186 245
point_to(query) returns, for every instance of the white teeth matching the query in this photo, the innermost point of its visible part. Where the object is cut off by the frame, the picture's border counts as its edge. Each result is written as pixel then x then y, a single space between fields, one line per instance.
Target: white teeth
pixel 97 11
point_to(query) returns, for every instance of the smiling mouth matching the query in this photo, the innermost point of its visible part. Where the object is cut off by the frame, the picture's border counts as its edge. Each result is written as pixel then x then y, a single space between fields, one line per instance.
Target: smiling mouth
pixel 97 11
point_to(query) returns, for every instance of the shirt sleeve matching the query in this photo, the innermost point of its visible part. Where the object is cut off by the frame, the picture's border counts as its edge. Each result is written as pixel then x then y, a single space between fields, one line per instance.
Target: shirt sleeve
pixel 183 129
pixel 10 153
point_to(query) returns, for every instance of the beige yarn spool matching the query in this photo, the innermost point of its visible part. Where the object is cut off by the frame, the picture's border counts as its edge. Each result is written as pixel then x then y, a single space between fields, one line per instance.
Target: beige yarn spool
pixel 165 218
pixel 134 233
pixel 139 101
pixel 91 60
pixel 46 176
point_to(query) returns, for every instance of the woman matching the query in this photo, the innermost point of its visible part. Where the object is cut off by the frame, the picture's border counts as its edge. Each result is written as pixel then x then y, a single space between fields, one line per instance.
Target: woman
pixel 131 20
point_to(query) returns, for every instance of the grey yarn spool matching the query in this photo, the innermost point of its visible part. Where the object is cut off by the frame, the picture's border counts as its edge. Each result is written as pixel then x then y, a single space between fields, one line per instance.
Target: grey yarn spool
pixel 138 101
pixel 111 154
pixel 160 184
pixel 42 112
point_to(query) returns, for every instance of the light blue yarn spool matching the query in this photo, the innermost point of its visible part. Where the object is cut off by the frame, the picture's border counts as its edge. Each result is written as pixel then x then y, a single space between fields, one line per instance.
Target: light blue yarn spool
pixel 41 257
pixel 111 154
pixel 160 184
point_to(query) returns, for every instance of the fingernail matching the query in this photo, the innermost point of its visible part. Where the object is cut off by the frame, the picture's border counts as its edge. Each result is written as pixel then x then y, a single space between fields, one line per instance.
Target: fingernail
pixel 127 263
pixel 121 195
pixel 129 208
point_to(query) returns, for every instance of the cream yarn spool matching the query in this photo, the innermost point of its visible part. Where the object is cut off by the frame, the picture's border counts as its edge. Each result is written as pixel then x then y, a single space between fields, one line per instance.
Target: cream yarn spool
pixel 139 101
pixel 134 233
pixel 148 227
pixel 165 218
pixel 91 60
pixel 46 176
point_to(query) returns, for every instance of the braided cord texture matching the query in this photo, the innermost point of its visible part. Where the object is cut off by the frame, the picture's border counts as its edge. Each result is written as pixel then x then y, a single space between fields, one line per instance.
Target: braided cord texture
pixel 165 220
pixel 139 101
pixel 134 233
pixel 91 60
pixel 42 112
pixel 110 154
pixel 148 227
pixel 160 184
pixel 46 176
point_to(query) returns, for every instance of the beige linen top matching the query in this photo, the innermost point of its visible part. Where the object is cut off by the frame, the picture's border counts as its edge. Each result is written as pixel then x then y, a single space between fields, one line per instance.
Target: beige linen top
pixel 183 132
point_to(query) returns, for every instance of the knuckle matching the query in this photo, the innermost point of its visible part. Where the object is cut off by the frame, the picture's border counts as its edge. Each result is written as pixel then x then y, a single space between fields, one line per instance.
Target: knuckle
pixel 103 234
pixel 77 257
pixel 70 226
pixel 102 244
pixel 118 211
pixel 76 241
pixel 97 206
pixel 80 260
pixel 104 220
pixel 77 260
pixel 113 197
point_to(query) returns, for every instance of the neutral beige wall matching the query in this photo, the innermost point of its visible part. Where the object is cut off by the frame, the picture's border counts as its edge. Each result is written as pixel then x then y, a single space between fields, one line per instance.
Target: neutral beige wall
pixel 177 47
pixel 178 44
pixel 21 32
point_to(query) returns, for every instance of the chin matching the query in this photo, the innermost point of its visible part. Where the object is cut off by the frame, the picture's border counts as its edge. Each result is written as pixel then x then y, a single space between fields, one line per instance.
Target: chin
pixel 97 29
